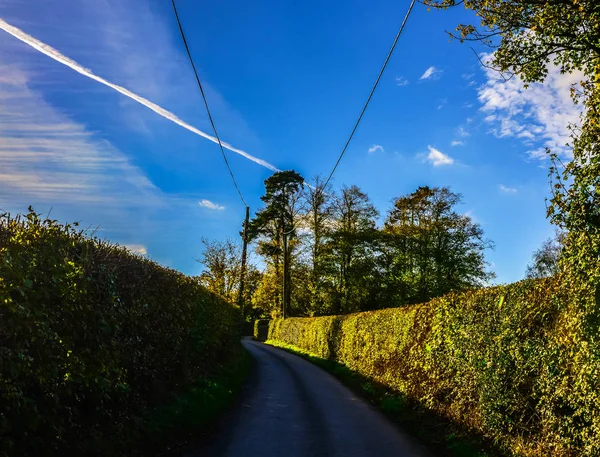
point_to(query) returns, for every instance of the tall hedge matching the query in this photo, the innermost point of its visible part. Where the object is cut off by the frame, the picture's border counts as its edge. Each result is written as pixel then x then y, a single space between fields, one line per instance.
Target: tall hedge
pixel 510 362
pixel 92 337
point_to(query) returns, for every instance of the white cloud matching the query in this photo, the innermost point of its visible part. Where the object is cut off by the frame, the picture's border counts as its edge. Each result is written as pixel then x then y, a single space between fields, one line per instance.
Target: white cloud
pixel 45 157
pixel 457 143
pixel 461 131
pixel 438 158
pixel 508 190
pixel 210 205
pixel 376 147
pixel 59 131
pixel 467 76
pixel 61 58
pixel 539 114
pixel 401 81
pixel 471 215
pixel 48 160
pixel 137 248
pixel 431 73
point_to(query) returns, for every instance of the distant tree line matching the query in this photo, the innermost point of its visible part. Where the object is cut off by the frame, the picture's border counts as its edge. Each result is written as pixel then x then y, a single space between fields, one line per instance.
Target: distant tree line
pixel 340 260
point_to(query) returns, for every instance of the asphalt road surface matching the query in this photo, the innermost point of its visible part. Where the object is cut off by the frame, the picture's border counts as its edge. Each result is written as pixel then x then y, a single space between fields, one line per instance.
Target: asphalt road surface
pixel 292 408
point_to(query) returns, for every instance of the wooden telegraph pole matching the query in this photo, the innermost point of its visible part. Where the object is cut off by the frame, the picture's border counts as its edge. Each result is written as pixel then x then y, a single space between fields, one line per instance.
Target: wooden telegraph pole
pixel 286 273
pixel 241 303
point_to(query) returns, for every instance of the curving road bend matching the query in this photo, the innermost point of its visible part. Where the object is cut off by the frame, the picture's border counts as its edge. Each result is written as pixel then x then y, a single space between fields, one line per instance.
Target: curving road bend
pixel 292 408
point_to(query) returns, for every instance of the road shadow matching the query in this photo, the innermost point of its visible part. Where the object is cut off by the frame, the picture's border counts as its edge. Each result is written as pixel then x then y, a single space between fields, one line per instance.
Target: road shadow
pixel 439 434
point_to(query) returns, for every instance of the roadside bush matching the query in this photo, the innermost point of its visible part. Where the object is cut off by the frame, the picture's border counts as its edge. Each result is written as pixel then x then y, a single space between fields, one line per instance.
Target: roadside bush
pixel 92 337
pixel 511 363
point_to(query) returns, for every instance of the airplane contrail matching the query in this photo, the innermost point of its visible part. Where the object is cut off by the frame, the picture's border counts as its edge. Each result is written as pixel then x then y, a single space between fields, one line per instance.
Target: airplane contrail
pixel 59 57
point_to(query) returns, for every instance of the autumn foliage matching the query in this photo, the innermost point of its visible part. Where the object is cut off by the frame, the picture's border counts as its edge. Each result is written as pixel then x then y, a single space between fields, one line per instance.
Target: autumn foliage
pixel 92 337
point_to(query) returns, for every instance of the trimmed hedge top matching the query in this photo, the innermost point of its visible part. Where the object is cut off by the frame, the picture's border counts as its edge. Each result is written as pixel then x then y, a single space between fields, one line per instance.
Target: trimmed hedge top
pixel 92 337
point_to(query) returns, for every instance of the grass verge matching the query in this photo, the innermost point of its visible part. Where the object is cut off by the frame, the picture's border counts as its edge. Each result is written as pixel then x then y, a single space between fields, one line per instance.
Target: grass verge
pixel 184 421
pixel 438 434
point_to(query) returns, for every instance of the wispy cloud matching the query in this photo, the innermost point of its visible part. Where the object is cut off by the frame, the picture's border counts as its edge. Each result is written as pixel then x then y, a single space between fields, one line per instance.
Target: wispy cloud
pixel 401 81
pixel 59 57
pixel 471 215
pixel 376 147
pixel 457 143
pixel 65 141
pixel 437 158
pixel 431 73
pixel 137 248
pixel 540 114
pixel 210 205
pixel 46 157
pixel 462 132
pixel 508 190
pixel 48 160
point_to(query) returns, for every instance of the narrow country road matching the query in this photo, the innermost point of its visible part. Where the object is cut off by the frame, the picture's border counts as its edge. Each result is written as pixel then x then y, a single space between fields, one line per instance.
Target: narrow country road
pixel 292 408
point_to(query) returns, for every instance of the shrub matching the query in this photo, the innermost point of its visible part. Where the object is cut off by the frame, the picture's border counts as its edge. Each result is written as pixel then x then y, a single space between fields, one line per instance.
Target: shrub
pixel 92 337
pixel 508 362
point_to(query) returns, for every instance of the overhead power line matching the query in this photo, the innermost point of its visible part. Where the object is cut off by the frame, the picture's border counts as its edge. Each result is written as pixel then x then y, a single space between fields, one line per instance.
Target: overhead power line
pixel 387 59
pixel 212 123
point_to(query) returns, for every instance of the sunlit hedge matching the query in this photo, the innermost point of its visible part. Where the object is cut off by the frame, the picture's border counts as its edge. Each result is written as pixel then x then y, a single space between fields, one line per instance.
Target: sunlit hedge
pixel 92 337
pixel 509 362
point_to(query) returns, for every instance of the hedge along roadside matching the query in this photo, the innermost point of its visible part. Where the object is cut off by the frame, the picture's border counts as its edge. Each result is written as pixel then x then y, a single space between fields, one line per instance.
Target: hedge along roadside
pixel 507 362
pixel 92 337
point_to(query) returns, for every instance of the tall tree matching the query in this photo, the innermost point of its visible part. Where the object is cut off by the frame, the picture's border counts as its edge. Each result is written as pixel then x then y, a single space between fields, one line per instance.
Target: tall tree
pixel 435 249
pixel 222 260
pixel 276 223
pixel 351 246
pixel 545 261
pixel 268 291
pixel 317 224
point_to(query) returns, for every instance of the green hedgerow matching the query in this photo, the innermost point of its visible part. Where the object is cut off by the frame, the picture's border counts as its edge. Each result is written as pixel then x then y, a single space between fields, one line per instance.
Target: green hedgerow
pixel 507 362
pixel 92 337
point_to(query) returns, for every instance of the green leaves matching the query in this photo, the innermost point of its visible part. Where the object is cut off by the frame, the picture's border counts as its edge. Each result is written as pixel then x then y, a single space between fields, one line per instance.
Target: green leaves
pixel 433 249
pixel 506 361
pixel 92 337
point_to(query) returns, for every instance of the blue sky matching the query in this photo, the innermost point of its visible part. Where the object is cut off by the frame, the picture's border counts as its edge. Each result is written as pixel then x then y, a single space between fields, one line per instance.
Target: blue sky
pixel 286 80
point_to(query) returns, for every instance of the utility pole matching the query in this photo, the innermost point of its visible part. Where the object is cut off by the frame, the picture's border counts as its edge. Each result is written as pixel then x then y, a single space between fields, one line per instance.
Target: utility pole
pixel 286 274
pixel 241 303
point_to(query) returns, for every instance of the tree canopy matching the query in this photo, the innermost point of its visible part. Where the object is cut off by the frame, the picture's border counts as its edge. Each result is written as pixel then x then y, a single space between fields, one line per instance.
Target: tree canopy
pixel 545 260
pixel 341 260
pixel 435 249
pixel 527 35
